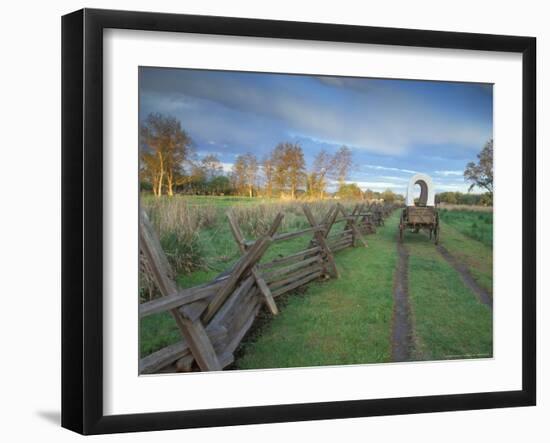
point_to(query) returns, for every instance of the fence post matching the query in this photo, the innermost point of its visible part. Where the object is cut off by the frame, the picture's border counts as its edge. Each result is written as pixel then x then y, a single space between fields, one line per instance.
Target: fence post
pixel 321 240
pixel 246 262
pixel 351 224
pixel 260 282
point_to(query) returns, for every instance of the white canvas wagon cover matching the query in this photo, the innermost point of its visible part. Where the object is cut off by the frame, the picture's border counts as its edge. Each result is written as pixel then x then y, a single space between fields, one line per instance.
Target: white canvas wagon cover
pixel 427 191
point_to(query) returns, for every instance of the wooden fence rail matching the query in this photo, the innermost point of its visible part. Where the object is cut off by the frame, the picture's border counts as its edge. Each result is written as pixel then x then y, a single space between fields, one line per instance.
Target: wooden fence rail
pixel 214 318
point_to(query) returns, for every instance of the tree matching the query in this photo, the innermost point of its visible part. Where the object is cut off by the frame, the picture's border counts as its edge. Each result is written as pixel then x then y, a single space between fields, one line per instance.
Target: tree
pixel 486 199
pixel 389 196
pixel 268 169
pixel 152 169
pixel 341 164
pixel 164 146
pixel 350 192
pixel 452 198
pixel 289 167
pixel 212 166
pixel 459 198
pixel 312 184
pixel 322 167
pixel 481 173
pixel 196 180
pixel 238 174
pixel 220 185
pixel 245 173
pixel 251 172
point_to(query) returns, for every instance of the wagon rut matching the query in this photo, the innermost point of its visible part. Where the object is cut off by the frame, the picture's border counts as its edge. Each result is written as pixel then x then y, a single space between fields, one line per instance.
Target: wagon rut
pixel 482 295
pixel 402 341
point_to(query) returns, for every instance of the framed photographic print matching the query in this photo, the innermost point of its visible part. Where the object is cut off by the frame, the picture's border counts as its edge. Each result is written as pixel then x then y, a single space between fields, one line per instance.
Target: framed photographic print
pixel 269 221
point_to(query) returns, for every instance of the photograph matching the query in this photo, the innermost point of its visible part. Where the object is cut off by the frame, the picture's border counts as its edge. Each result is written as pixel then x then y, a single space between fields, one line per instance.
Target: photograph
pixel 303 220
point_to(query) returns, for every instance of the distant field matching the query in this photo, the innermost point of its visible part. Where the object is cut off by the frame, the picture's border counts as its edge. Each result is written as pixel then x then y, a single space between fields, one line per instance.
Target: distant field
pixel 474 224
pixel 474 208
pixel 216 200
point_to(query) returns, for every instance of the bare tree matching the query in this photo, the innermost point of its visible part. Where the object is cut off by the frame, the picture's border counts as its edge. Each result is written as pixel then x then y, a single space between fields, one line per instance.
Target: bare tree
pixel 212 166
pixel 251 172
pixel 268 169
pixel 238 174
pixel 165 146
pixel 289 167
pixel 341 164
pixel 322 167
pixel 245 173
pixel 481 173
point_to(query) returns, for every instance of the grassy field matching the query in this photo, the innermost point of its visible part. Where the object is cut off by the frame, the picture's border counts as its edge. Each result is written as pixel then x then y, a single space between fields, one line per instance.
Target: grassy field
pixel 348 321
pixel 474 224
pixel 476 255
pixel 341 321
pixel 344 321
pixel 468 235
pixel 196 229
pixel 448 320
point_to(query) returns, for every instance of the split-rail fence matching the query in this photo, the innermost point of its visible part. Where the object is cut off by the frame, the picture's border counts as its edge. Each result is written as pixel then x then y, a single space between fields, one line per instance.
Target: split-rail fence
pixel 214 318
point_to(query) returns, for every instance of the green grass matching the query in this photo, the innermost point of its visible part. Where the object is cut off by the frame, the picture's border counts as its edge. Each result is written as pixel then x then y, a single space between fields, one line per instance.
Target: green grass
pixel 348 321
pixel 474 224
pixel 477 256
pixel 156 332
pixel 448 319
pixel 343 321
pixel 221 251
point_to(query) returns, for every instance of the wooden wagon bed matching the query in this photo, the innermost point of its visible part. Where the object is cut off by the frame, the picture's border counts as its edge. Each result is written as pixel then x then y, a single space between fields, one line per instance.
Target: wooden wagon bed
pixel 416 218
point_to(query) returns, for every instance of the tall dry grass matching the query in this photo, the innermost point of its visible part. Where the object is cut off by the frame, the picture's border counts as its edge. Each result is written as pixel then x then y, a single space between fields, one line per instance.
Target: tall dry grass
pixel 178 224
pixel 255 220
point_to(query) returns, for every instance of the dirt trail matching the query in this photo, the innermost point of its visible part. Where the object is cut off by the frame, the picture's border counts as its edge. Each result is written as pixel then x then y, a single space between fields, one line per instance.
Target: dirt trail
pixel 467 277
pixel 402 342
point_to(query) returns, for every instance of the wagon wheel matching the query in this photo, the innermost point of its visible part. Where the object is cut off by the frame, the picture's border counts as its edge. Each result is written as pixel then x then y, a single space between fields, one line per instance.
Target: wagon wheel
pixel 436 229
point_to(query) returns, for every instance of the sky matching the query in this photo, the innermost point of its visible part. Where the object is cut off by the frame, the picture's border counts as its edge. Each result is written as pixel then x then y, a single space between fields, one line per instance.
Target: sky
pixel 394 128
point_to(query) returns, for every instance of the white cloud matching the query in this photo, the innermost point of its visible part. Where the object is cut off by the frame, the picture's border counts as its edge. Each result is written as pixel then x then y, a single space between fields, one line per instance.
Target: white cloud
pixel 385 168
pixel 227 167
pixel 393 178
pixel 450 173
pixel 374 185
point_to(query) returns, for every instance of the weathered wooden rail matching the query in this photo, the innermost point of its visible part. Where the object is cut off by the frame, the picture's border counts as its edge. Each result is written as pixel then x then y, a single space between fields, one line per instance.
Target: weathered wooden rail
pixel 214 318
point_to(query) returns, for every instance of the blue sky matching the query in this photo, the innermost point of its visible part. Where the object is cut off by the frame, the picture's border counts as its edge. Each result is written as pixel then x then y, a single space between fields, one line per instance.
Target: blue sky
pixel 394 127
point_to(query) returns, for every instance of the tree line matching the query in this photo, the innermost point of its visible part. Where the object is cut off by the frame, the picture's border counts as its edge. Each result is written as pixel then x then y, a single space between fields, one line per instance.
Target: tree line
pixel 462 198
pixel 169 164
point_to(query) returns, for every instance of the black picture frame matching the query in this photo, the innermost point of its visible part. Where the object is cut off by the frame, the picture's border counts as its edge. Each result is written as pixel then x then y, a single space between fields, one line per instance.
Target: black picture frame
pixel 82 218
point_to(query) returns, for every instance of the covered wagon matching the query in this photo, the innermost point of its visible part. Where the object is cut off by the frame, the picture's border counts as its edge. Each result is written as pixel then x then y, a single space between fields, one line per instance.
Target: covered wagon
pixel 422 213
